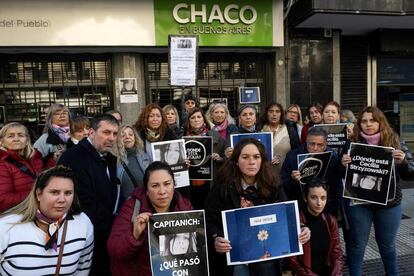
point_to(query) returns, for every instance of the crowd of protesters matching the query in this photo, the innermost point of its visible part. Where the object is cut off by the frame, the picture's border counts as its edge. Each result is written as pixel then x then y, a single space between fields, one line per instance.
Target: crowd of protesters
pixel 69 199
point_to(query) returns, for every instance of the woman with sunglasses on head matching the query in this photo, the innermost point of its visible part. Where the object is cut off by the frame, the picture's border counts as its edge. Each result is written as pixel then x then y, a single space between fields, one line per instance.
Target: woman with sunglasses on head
pixel 315 116
pixel 128 243
pixel 372 128
pixel 322 255
pixel 47 234
pixel 197 125
pixel 246 180
pixel 293 122
pixel 55 135
pixel 20 163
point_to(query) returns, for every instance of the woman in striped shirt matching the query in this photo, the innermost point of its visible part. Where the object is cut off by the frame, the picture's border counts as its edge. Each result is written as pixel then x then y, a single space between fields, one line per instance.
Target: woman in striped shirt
pixel 46 233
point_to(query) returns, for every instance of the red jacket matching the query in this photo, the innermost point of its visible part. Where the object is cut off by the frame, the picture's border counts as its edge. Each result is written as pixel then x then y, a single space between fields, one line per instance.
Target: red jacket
pixel 129 256
pixel 15 185
pixel 302 264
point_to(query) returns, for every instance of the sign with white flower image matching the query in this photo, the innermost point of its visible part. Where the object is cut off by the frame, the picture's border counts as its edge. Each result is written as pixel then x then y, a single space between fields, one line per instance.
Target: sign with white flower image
pixel 262 233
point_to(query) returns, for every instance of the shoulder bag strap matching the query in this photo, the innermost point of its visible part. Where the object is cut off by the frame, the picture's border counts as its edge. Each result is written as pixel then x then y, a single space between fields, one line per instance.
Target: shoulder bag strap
pixel 62 245
pixel 20 166
pixel 134 181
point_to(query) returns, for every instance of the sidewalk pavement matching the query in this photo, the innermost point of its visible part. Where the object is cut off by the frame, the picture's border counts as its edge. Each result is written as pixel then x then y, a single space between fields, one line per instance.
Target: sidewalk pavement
pixel 405 243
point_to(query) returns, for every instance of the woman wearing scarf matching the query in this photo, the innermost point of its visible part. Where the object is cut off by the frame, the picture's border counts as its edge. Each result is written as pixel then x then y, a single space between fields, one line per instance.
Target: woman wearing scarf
pixel 49 225
pixel 247 124
pixel 197 125
pixel 273 120
pixel 56 134
pixel 373 128
pixel 19 165
pixel 218 116
pixel 152 127
pixel 173 120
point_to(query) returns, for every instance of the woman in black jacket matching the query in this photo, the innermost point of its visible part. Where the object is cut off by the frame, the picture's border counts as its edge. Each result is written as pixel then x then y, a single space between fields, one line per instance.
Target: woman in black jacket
pixel 246 179
pixel 373 128
pixel 152 127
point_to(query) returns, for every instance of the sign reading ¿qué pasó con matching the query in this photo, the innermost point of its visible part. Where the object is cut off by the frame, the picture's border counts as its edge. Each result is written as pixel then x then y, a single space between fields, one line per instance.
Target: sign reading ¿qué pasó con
pixel 217 23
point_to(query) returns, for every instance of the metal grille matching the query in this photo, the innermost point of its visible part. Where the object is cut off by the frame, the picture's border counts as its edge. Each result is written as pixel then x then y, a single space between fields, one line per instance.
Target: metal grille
pixel 29 84
pixel 218 78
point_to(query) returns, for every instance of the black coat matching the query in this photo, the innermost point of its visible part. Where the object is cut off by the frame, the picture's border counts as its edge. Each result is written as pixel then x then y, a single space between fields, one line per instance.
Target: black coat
pixel 97 194
pixel 225 197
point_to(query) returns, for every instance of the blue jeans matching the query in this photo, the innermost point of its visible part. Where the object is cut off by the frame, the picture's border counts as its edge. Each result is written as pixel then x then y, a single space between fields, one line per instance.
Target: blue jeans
pixel 386 223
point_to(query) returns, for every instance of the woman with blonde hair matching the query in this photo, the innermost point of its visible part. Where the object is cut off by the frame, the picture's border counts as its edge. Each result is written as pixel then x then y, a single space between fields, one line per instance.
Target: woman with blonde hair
pixel 220 120
pixel 293 122
pixel 173 120
pixel 132 159
pixel 55 135
pixel 49 225
pixel 19 165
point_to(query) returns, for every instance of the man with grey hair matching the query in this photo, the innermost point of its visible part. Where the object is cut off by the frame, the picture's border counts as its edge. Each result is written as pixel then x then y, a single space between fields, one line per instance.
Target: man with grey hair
pixel 98 187
pixel 316 142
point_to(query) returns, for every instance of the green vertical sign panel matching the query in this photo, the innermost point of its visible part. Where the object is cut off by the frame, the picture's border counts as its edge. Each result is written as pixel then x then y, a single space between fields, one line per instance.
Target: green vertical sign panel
pixel 242 23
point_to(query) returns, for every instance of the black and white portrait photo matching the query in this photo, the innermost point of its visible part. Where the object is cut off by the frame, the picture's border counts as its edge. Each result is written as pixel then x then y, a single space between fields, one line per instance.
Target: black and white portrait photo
pixel 177 244
pixel 128 84
pixel 367 182
pixel 184 43
pixel 171 153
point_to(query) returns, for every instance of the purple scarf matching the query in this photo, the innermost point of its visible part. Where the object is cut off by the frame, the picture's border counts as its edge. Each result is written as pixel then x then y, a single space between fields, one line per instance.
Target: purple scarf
pixel 374 139
pixel 62 132
pixel 52 229
pixel 222 129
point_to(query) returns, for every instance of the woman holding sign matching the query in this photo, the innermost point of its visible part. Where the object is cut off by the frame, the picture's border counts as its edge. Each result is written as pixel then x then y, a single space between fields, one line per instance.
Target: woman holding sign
pixel 197 125
pixel 373 128
pixel 128 243
pixel 246 180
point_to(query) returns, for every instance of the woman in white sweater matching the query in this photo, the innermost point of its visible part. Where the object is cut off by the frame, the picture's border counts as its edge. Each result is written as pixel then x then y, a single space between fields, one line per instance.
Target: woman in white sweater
pixel 47 233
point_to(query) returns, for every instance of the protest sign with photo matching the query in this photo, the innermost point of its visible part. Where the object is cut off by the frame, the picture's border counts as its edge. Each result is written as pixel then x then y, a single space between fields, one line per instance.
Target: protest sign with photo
pixel 199 150
pixel 266 138
pixel 337 134
pixel 262 233
pixel 177 243
pixel 173 153
pixel 183 51
pixel 128 90
pixel 368 176
pixel 313 165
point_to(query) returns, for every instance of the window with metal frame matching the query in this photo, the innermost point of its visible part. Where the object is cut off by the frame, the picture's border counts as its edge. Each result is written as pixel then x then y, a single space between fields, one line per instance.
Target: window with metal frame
pixel 218 78
pixel 30 83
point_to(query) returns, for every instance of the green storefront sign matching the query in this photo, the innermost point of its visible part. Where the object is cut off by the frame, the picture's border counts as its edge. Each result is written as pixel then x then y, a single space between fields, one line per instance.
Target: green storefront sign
pixel 229 23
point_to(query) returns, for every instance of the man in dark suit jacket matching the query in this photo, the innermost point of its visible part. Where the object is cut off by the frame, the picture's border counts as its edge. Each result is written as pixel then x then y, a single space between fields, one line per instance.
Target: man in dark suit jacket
pixel 98 189
pixel 316 141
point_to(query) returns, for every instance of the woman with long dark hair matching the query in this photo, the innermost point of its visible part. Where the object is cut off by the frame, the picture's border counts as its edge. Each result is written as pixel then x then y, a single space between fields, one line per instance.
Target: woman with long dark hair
pixel 197 125
pixel 273 120
pixel 315 117
pixel 152 127
pixel 322 255
pixel 247 179
pixel 373 128
pixel 128 243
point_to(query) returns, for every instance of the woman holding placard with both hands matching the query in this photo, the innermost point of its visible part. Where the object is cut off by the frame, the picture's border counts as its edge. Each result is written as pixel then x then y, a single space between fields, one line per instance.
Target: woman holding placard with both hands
pixel 246 180
pixel 373 128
